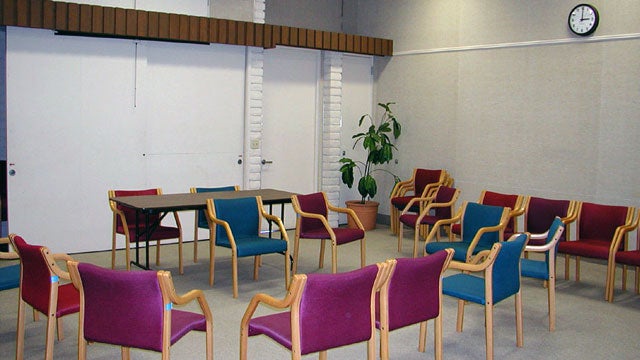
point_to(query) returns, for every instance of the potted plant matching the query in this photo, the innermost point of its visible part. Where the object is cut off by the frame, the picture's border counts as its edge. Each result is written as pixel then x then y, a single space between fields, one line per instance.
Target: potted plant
pixel 379 146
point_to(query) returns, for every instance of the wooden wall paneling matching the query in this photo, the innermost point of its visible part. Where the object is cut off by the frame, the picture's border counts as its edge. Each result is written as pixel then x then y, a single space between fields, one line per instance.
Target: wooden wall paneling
pixel 183 25
pixel 203 29
pixel 242 32
pixel 268 37
pixel 35 14
pixel 120 24
pixel 153 26
pixel 285 35
pixel 196 30
pixel 73 17
pixel 174 27
pixel 61 16
pixel 222 31
pixel 97 16
pixel 251 34
pixel 142 24
pixel 213 30
pixel 49 15
pixel 232 33
pixel 276 34
pixel 259 35
pixel 302 37
pixel 86 18
pixel 22 13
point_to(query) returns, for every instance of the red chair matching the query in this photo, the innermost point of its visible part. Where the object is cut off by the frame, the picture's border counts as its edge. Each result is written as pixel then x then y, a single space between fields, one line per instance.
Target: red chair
pixel 40 288
pixel 438 206
pixel 539 214
pixel 134 309
pixel 412 295
pixel 124 223
pixel 421 184
pixel 619 255
pixel 312 223
pixel 514 202
pixel 325 311
pixel 598 227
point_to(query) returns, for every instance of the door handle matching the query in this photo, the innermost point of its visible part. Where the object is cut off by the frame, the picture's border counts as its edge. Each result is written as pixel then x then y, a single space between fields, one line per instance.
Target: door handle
pixel 265 162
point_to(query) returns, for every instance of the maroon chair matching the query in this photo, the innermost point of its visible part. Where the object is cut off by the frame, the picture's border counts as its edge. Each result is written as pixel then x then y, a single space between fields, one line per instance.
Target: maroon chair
pixel 597 228
pixel 413 295
pixel 620 255
pixel 313 223
pixel 325 311
pixel 421 183
pixel 134 309
pixel 539 214
pixel 438 206
pixel 40 288
pixel 513 202
pixel 124 223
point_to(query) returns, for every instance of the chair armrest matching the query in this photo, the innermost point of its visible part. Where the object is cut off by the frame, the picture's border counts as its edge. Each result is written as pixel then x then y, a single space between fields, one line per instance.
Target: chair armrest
pixel 54 258
pixel 278 221
pixel 436 227
pixel 480 233
pixel 295 291
pixel 488 257
pixel 10 255
pixel 168 289
pixel 420 200
pixel 342 210
pixel 401 188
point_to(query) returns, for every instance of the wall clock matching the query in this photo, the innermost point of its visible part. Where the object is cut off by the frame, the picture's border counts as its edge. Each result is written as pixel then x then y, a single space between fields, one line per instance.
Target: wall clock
pixel 583 19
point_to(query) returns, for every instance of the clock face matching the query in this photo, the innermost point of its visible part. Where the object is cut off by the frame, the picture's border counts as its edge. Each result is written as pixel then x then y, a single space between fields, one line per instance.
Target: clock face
pixel 583 19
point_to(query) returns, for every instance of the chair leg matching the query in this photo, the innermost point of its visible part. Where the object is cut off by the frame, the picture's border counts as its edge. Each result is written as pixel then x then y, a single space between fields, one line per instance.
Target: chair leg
pixel 637 287
pixel 127 254
pixel 256 266
pixel 422 338
pixel 577 268
pixel 113 250
pixel 158 253
pixel 437 346
pixel 126 354
pixel 400 236
pixel 20 330
pixel 363 253
pixel 416 240
pixel 212 262
pixel 519 331
pixel 322 355
pixel 244 342
pixel 60 328
pixel 460 319
pixel 82 349
pixel 180 266
pixel 48 352
pixel 624 277
pixel 296 247
pixel 567 260
pixel 195 239
pixel 551 294
pixel 334 257
pixel 488 313
pixel 321 262
pixel 234 275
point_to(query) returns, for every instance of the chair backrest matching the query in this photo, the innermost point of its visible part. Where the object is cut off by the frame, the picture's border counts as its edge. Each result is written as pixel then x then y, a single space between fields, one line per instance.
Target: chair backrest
pixel 476 216
pixel 424 177
pixel 36 276
pixel 598 221
pixel 444 195
pixel 505 200
pixel 113 310
pixel 335 309
pixel 202 218
pixel 312 203
pixel 414 292
pixel 540 214
pixel 556 231
pixel 242 215
pixel 130 214
pixel 506 268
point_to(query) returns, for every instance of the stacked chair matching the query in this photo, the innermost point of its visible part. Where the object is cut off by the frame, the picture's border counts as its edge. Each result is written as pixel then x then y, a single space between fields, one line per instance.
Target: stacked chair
pixel 514 202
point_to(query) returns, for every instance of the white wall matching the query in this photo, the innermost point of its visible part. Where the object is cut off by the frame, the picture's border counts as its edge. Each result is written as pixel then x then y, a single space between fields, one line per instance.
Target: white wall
pixel 504 97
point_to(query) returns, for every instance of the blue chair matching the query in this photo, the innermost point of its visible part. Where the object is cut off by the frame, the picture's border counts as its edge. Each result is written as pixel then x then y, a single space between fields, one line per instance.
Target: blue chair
pixel 481 227
pixel 235 224
pixel 9 275
pixel 201 218
pixel 501 280
pixel 546 269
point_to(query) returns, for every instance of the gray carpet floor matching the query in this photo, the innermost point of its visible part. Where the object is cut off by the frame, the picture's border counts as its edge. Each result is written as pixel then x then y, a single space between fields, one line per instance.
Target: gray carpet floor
pixel 587 326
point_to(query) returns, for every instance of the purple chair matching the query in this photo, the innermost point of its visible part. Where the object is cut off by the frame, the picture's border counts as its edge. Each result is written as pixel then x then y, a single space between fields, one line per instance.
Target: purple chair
pixel 413 295
pixel 135 309
pixel 312 223
pixel 41 289
pixel 436 207
pixel 326 311
pixel 539 214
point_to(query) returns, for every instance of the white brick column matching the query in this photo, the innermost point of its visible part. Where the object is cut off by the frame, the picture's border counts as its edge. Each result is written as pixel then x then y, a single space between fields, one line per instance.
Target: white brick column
pixel 254 105
pixel 331 120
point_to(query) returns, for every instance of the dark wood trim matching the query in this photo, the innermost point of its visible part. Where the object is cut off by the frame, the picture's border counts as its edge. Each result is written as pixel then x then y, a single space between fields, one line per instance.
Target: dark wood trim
pixel 94 20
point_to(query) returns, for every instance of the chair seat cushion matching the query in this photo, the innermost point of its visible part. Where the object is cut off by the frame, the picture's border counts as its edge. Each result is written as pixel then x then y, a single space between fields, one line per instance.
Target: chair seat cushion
pixel 534 269
pixel 459 247
pixel 590 248
pixel 631 257
pixel 9 277
pixel 276 326
pixel 160 233
pixel 68 300
pixel 410 219
pixel 464 286
pixel 343 235
pixel 255 245
pixel 184 321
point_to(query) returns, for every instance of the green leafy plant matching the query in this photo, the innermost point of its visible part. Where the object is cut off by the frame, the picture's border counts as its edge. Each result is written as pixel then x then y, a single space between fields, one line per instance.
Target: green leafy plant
pixel 379 146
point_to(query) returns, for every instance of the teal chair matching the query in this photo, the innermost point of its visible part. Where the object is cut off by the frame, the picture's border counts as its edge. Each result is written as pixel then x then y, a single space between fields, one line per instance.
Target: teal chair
pixel 501 280
pixel 546 269
pixel 201 219
pixel 235 224
pixel 481 227
pixel 9 275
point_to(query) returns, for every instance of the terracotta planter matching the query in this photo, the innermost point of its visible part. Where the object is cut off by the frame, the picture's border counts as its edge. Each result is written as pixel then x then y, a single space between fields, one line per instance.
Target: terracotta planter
pixel 367 213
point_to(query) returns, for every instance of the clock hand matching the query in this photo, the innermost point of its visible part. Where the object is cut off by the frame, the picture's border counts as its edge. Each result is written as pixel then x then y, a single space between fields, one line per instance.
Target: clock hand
pixel 582 15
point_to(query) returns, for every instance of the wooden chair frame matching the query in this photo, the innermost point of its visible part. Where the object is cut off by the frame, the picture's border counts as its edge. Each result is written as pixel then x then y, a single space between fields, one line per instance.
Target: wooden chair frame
pixel 169 298
pixel 334 245
pixel 117 213
pixel 426 204
pixel 292 302
pixel 612 264
pixel 214 221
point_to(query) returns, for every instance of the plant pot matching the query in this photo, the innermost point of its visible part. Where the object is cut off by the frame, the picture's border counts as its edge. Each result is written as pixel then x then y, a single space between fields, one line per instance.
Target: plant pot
pixel 367 213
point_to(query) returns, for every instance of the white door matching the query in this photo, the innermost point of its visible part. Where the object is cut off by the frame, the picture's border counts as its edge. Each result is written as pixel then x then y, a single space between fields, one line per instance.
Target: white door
pixel 357 99
pixel 290 146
